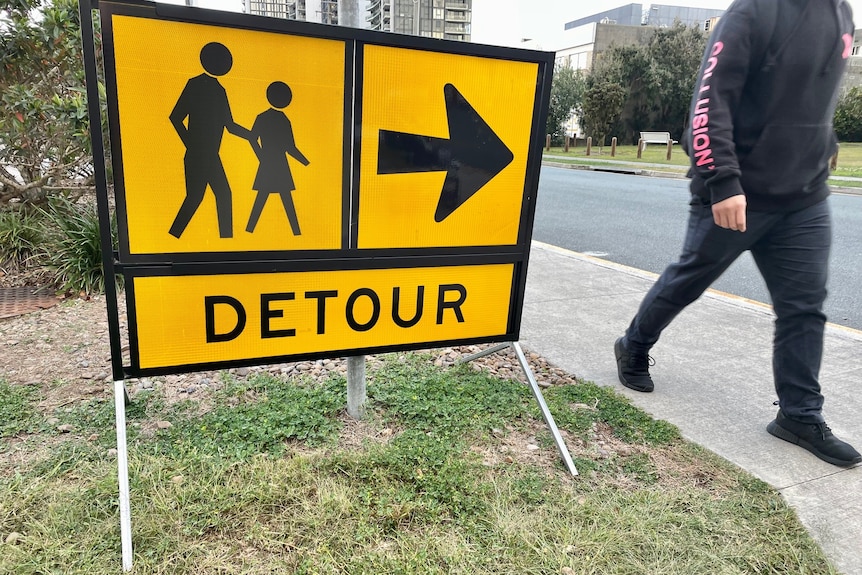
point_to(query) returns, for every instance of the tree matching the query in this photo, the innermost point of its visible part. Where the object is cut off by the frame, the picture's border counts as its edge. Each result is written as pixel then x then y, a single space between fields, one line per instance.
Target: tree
pixel 628 67
pixel 602 105
pixel 44 129
pixel 659 78
pixel 567 89
pixel 674 54
pixel 848 116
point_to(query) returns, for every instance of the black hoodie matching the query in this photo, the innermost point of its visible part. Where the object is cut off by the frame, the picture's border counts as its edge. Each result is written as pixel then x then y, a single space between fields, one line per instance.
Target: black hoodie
pixel 761 115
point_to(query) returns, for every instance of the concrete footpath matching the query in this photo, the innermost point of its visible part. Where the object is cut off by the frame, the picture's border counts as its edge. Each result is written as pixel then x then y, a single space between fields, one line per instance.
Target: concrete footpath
pixel 713 376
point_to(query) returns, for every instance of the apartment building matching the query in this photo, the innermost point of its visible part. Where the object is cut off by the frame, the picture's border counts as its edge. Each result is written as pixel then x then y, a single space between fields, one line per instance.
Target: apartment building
pixel 323 11
pixel 632 24
pixel 658 15
pixel 446 19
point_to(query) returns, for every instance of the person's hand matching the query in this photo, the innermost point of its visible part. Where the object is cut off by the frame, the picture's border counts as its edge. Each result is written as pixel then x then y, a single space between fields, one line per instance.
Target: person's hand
pixel 730 213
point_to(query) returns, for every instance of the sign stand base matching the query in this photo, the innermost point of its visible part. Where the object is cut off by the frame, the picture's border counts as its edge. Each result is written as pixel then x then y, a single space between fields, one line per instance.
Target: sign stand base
pixel 537 393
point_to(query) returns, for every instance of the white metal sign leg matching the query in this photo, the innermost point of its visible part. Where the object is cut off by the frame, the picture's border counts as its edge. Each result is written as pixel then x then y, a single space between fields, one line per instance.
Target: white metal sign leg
pixel 546 413
pixel 537 393
pixel 123 474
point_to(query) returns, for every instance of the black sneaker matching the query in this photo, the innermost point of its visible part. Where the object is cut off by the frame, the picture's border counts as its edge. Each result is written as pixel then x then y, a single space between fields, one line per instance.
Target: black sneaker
pixel 816 438
pixel 633 369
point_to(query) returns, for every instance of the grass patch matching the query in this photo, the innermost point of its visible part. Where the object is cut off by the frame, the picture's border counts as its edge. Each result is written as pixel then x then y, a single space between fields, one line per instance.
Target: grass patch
pixel 17 412
pixel 849 159
pixel 412 392
pixel 258 416
pixel 257 483
pixel 845 183
pixel 627 154
pixel 579 408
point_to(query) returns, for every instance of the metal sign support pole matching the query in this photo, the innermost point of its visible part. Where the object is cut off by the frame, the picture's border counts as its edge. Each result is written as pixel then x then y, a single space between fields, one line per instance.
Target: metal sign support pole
pixel 123 474
pixel 537 393
pixel 356 395
pixel 349 15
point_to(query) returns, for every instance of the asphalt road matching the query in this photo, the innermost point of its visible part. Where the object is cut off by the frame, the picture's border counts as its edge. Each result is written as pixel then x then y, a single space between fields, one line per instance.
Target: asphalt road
pixel 640 222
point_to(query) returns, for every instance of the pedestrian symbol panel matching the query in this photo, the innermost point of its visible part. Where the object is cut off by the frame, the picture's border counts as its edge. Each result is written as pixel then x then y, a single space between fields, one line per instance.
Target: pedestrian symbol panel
pixel 193 320
pixel 445 140
pixel 231 139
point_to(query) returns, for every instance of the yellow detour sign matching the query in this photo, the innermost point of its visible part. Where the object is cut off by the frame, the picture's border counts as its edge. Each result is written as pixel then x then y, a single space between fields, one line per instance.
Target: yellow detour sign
pixel 444 152
pixel 211 319
pixel 230 140
pixel 287 190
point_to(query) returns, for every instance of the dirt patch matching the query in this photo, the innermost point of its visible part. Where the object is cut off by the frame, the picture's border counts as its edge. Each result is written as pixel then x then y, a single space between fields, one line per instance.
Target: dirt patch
pixel 512 445
pixel 65 351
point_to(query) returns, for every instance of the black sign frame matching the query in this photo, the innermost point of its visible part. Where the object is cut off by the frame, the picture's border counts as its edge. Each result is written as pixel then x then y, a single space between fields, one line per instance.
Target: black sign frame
pixel 131 266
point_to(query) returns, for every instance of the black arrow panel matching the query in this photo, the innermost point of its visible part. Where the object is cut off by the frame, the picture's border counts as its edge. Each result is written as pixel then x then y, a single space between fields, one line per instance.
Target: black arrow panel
pixel 471 157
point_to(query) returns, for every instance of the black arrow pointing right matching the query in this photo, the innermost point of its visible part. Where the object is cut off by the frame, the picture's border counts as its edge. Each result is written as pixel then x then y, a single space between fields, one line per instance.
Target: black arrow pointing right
pixel 471 156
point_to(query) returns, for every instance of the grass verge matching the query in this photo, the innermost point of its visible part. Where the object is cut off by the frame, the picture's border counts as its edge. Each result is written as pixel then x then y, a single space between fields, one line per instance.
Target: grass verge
pixel 849 160
pixel 451 472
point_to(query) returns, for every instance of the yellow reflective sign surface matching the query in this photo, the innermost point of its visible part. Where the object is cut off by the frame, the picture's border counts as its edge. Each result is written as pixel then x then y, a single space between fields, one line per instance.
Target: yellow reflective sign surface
pixel 187 320
pixel 231 139
pixel 410 99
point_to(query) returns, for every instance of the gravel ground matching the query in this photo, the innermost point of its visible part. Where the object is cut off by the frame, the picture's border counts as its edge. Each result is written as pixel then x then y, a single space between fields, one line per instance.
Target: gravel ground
pixel 65 350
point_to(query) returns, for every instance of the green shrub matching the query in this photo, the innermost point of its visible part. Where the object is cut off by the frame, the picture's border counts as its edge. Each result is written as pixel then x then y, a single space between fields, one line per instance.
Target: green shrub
pixel 21 233
pixel 74 250
pixel 848 116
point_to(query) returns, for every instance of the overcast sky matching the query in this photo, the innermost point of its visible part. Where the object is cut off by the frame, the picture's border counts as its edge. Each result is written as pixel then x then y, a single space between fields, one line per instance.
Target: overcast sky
pixel 506 22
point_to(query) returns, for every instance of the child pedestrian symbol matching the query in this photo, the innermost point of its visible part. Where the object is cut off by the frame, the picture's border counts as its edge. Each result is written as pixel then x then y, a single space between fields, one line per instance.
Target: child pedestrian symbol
pixel 204 102
pixel 272 140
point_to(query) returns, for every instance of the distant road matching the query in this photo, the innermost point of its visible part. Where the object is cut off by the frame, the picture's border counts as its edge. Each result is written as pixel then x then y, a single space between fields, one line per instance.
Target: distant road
pixel 640 222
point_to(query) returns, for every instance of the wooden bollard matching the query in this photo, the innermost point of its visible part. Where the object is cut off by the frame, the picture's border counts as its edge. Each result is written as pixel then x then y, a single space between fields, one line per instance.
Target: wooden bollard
pixel 640 147
pixel 613 146
pixel 548 143
pixel 589 145
pixel 669 149
pixel 566 149
pixel 833 161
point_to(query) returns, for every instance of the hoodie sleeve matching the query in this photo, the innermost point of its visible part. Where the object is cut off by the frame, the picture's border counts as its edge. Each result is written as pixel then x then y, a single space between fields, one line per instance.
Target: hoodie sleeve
pixel 718 91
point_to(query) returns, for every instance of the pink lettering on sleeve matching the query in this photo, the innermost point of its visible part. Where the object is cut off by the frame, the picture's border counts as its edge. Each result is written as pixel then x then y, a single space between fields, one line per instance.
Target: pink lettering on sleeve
pixel 700 122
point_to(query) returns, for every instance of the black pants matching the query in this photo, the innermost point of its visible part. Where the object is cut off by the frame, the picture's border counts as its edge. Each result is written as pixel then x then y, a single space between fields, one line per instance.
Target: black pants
pixel 791 251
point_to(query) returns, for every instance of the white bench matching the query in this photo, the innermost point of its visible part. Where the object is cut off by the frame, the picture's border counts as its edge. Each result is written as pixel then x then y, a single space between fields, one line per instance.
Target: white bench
pixel 656 138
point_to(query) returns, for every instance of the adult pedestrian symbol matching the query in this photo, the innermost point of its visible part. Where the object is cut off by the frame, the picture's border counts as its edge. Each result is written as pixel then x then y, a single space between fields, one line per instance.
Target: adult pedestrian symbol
pixel 204 104
pixel 224 150
pixel 471 156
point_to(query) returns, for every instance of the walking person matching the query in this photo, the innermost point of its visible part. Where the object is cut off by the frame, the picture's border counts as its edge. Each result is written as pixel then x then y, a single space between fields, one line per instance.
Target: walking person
pixel 760 139
pixel 204 104
pixel 272 140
